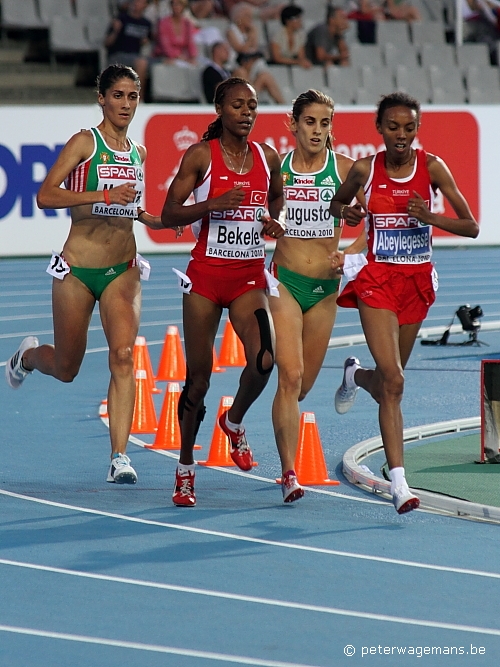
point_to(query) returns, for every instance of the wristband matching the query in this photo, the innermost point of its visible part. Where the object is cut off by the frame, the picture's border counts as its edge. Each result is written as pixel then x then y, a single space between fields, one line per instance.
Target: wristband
pixel 106 197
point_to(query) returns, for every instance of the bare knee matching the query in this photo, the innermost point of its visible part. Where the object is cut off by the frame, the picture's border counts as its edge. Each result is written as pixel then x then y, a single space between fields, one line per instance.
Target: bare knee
pixel 290 381
pixel 66 373
pixel 121 361
pixel 391 387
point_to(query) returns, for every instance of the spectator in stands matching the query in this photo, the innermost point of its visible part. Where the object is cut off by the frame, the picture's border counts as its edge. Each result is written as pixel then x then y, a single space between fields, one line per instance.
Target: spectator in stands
pixel 366 13
pixel 175 41
pixel 127 35
pixel 325 42
pixel 264 9
pixel 215 71
pixel 401 10
pixel 481 24
pixel 288 42
pixel 247 60
pixel 252 67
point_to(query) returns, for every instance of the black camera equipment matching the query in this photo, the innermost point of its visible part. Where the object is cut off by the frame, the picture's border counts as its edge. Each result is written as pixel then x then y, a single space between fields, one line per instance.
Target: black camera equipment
pixel 469 320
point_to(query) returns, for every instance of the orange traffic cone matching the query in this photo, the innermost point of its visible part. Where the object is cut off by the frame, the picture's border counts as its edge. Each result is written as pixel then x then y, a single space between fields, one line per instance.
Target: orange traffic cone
pixel 219 447
pixel 103 409
pixel 168 435
pixel 144 419
pixel 142 361
pixel 232 352
pixel 172 362
pixel 310 463
pixel 215 365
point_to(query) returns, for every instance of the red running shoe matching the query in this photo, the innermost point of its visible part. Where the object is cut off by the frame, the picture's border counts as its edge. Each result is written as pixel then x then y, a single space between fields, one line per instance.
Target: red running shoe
pixel 183 495
pixel 240 451
pixel 290 487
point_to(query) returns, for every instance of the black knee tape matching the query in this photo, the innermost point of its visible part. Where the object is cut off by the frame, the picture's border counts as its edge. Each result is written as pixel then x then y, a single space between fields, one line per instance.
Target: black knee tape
pixel 186 404
pixel 266 344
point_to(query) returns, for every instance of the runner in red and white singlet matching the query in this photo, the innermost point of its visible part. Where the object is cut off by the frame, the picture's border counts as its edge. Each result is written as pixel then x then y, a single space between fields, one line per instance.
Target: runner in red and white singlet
pixel 394 291
pixel 238 193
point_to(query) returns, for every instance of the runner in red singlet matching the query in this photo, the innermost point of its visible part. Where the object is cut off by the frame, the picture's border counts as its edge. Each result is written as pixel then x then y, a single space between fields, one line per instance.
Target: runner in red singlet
pixel 238 192
pixel 395 289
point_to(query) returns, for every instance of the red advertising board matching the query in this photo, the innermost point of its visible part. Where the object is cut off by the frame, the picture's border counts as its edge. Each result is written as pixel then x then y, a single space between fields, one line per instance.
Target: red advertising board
pixel 452 135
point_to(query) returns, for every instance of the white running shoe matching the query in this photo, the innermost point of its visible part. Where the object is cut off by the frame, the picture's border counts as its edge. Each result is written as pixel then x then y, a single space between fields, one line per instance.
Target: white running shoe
pixel 404 500
pixel 15 374
pixel 290 487
pixel 346 393
pixel 120 471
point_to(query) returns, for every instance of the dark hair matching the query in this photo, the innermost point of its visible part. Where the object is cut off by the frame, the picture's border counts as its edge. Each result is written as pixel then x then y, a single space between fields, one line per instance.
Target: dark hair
pixel 290 12
pixel 397 99
pixel 108 77
pixel 307 98
pixel 331 10
pixel 214 130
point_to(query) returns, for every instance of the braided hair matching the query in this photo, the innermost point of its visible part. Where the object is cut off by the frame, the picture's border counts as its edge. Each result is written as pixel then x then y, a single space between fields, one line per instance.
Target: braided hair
pixel 214 130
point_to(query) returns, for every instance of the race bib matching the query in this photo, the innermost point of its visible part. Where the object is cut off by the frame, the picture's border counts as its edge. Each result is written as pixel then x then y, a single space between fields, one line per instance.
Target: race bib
pixel 58 267
pixel 401 239
pixel 236 234
pixel 111 176
pixel 183 281
pixel 144 267
pixel 308 212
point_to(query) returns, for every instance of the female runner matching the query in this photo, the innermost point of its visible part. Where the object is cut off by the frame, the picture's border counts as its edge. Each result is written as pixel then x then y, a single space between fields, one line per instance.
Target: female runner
pixel 235 183
pixel 103 173
pixel 305 311
pixel 395 290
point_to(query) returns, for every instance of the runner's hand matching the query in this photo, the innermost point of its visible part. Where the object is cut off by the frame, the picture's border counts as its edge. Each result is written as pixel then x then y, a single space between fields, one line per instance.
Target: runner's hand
pixel 272 227
pixel 230 200
pixel 353 215
pixel 123 194
pixel 337 259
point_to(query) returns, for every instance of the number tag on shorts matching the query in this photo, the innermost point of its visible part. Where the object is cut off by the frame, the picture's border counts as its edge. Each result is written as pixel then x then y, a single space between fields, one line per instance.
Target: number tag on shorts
pixel 272 284
pixel 184 281
pixel 58 267
pixel 144 267
pixel 435 279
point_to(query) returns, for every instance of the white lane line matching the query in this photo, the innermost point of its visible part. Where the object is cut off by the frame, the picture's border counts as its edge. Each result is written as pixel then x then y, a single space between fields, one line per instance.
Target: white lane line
pixel 336 611
pixel 152 648
pixel 256 540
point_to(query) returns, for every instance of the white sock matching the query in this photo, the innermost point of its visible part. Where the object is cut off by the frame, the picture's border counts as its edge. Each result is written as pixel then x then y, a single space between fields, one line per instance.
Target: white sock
pixel 184 469
pixel 397 476
pixel 233 427
pixel 349 375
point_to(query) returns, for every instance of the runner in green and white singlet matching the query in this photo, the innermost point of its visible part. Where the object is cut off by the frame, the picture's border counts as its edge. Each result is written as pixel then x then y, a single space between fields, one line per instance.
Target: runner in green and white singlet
pixel 103 176
pixel 305 311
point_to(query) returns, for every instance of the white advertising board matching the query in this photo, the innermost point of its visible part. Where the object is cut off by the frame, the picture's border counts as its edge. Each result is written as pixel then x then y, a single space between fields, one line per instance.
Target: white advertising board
pixel 466 137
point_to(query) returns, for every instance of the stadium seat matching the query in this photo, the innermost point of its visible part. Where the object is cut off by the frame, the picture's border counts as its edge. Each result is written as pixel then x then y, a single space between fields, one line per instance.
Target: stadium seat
pixel 282 76
pixel 481 96
pixel 68 35
pixel 473 54
pixel 171 83
pixel 428 31
pixel 20 15
pixel 365 54
pixel 343 83
pixel 437 54
pixel 483 84
pixel 447 86
pixel 303 79
pixel 395 54
pixel 395 32
pixel 414 81
pixel 376 81
pixel 50 9
pixel 98 9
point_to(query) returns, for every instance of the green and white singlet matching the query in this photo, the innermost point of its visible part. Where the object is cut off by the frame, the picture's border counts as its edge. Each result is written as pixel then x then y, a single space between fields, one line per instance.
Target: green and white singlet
pixel 105 169
pixel 308 198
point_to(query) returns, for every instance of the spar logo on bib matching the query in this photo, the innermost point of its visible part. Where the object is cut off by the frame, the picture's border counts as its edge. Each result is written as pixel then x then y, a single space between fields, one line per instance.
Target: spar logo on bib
pixel 117 172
